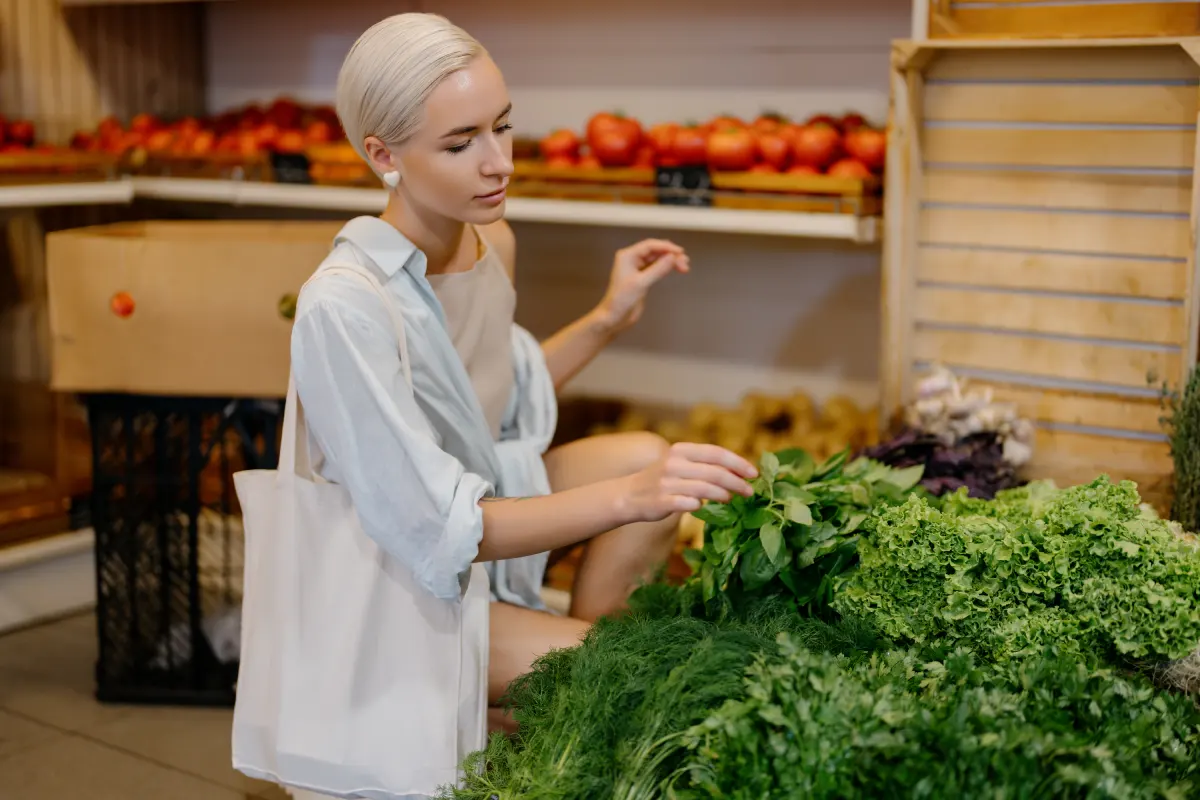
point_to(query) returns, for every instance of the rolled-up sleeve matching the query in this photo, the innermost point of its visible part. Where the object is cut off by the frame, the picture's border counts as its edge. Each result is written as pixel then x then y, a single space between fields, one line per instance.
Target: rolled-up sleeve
pixel 415 500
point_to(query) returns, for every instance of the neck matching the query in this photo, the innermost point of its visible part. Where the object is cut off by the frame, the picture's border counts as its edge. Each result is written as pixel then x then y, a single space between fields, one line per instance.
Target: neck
pixel 438 237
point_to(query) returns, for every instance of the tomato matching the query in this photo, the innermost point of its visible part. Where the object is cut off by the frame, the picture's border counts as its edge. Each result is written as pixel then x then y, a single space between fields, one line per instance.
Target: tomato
pixel 561 162
pixel 561 142
pixel 769 123
pixel 122 304
pixel 852 122
pixel 824 119
pixel 849 168
pixel 803 169
pixel 816 145
pixel 661 136
pixel 764 169
pixel 589 162
pixel 605 122
pixel 290 141
pixel 775 149
pixel 732 149
pixel 869 146
pixel 689 147
pixel 615 148
pixel 646 157
pixel 724 121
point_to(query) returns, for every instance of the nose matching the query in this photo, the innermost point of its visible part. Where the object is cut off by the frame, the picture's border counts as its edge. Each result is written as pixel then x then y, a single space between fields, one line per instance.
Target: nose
pixel 498 162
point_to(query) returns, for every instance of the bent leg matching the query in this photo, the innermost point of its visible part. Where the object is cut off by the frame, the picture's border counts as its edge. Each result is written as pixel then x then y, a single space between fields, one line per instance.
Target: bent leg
pixel 518 637
pixel 617 562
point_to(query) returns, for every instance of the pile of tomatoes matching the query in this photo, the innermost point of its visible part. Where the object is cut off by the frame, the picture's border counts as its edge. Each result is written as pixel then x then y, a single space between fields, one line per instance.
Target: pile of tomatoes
pixel 844 146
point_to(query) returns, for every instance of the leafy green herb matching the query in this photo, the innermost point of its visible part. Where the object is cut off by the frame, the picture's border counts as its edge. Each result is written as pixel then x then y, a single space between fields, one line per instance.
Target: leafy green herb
pixel 798 533
pixel 1084 569
pixel 817 726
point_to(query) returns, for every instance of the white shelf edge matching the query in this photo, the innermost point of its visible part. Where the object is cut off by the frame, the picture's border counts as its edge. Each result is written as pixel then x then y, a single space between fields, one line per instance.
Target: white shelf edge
pixel 47 578
pixel 862 230
pixel 67 194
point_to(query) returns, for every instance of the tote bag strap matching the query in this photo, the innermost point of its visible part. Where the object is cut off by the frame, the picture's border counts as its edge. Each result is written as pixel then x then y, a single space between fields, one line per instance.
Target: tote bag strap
pixel 293 449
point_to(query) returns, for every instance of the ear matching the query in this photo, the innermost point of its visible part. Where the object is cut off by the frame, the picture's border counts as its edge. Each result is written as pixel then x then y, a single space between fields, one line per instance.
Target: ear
pixel 379 155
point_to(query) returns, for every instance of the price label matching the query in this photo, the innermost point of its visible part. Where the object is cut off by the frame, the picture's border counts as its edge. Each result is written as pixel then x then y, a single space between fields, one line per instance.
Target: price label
pixel 290 167
pixel 684 186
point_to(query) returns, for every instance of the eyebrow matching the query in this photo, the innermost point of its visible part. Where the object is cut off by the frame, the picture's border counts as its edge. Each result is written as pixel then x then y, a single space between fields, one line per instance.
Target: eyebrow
pixel 472 128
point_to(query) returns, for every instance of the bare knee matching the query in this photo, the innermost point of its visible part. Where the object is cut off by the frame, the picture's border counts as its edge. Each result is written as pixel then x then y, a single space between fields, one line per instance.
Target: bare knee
pixel 643 448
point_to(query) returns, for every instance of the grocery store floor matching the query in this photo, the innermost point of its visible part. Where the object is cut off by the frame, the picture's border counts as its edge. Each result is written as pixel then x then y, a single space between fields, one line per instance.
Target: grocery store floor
pixel 57 742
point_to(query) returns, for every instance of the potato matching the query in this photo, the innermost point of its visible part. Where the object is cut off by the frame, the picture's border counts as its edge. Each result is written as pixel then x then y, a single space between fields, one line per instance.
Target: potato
pixel 672 430
pixel 633 421
pixel 703 417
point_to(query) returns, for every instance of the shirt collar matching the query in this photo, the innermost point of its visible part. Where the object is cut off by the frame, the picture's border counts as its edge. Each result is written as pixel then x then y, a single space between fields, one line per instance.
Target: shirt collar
pixel 382 243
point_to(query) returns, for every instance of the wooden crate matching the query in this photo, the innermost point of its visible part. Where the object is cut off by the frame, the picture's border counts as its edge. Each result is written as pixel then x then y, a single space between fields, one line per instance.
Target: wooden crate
pixel 1044 19
pixel 1041 238
pixel 747 190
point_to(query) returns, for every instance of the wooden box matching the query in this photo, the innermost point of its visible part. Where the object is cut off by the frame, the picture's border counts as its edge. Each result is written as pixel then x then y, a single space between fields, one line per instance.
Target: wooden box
pixel 1046 19
pixel 1041 221
pixel 178 308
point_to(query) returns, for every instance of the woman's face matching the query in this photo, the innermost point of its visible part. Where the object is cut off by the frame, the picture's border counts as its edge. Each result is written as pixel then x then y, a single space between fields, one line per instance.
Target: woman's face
pixel 459 161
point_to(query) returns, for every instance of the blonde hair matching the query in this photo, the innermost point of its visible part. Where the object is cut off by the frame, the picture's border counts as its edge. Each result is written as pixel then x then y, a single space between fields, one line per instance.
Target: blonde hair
pixel 392 69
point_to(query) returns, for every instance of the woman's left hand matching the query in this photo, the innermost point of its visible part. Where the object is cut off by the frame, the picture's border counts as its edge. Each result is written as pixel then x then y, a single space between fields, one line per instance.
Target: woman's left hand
pixel 635 269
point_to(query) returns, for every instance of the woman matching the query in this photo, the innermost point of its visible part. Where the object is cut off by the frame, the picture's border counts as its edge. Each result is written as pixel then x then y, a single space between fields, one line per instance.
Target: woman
pixel 427 108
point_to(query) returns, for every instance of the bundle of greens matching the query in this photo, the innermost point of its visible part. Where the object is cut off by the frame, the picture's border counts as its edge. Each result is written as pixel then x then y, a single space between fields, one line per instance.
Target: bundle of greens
pixel 798 533
pixel 606 718
pixel 975 462
pixel 1085 569
pixel 814 726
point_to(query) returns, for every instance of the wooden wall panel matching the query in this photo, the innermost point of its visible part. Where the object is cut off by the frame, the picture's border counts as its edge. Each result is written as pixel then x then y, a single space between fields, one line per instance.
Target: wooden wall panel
pixel 66 68
pixel 1048 19
pixel 1048 248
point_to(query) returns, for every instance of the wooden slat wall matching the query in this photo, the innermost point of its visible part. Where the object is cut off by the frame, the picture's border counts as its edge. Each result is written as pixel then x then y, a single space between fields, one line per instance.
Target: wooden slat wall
pixel 1048 248
pixel 66 69
pixel 1034 19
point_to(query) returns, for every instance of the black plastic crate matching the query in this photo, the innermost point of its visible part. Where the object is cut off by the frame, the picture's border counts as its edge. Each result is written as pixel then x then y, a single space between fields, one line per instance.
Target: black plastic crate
pixel 169 546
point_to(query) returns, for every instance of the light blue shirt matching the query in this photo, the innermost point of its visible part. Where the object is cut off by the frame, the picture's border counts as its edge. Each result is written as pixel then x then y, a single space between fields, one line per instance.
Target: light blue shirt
pixel 416 461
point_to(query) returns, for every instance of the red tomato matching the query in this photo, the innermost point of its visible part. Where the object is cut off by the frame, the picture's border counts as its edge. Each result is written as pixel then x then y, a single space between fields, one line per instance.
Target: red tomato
pixel 589 162
pixel 849 168
pixel 769 123
pixel 646 157
pixel 615 148
pixel 732 149
pixel 869 146
pixel 600 123
pixel 690 147
pixel 852 122
pixel 661 136
pixel 764 169
pixel 561 162
pixel 824 119
pixel 723 121
pixel 122 304
pixel 775 149
pixel 816 145
pixel 606 122
pixel 803 169
pixel 560 143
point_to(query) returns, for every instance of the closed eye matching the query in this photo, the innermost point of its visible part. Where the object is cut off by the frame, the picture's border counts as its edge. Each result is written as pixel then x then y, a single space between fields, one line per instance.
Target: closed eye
pixel 458 148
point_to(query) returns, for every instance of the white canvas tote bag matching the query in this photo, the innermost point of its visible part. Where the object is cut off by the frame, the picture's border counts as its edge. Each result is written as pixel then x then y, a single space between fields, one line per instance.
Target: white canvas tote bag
pixel 354 681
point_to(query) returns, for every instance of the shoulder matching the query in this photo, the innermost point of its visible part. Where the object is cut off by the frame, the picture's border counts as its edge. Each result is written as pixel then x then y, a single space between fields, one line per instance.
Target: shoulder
pixel 500 236
pixel 338 295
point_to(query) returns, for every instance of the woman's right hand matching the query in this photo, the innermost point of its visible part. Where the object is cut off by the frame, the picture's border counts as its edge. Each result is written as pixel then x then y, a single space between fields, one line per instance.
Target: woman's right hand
pixel 685 478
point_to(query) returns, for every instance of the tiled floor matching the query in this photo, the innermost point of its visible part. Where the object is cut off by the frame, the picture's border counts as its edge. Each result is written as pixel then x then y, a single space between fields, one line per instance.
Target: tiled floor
pixel 58 743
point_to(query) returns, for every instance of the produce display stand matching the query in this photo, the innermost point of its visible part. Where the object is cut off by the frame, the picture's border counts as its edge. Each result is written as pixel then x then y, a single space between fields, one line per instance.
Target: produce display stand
pixel 1041 238
pixel 1037 19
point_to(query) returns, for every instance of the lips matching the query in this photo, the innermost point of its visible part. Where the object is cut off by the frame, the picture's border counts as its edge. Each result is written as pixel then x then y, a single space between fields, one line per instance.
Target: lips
pixel 491 195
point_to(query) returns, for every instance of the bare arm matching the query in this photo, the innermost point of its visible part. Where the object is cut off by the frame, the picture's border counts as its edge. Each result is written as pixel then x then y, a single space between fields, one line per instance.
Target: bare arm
pixel 521 526
pixel 689 475
pixel 573 348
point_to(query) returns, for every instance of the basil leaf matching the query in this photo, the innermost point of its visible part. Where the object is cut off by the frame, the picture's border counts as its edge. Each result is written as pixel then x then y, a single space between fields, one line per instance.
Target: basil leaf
pixel 772 541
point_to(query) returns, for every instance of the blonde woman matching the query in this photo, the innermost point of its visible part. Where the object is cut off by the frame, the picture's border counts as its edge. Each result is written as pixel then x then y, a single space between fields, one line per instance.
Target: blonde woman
pixel 449 471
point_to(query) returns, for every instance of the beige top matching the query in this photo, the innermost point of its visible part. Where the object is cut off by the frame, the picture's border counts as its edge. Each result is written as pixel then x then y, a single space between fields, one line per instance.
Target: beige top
pixel 479 306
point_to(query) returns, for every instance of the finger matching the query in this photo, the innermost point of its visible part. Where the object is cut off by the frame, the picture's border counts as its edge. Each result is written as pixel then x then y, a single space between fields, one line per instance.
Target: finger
pixel 658 270
pixel 711 454
pixel 698 490
pixel 718 476
pixel 649 248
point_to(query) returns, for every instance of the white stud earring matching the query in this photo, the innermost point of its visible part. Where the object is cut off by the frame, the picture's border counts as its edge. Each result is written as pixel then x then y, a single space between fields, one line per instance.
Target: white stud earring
pixel 392 179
